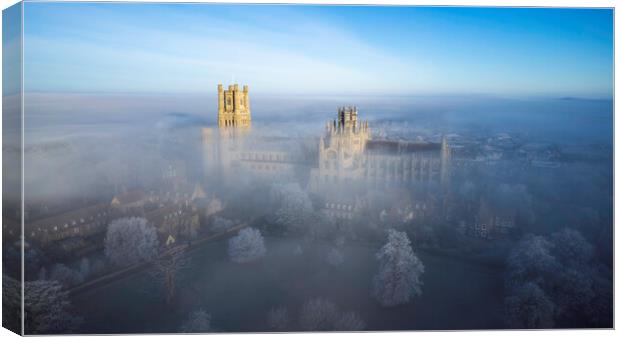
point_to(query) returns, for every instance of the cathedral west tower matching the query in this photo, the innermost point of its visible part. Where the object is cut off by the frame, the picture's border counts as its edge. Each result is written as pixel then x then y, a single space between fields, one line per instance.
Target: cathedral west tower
pixel 233 107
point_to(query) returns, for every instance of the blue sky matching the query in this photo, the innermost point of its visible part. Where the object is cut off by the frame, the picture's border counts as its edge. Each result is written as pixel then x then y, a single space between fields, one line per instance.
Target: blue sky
pixel 189 48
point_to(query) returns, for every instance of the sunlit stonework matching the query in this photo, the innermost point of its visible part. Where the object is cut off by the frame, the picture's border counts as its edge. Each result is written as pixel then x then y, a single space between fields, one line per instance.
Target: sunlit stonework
pixel 341 166
pixel 233 107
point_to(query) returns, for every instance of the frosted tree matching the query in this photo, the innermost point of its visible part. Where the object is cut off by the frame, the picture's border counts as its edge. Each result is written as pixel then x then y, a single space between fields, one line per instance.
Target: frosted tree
pixel 349 321
pixel 571 248
pixel 295 206
pixel 11 303
pixel 574 286
pixel 66 276
pixel 572 291
pixel 528 307
pixel 399 271
pixel 198 321
pixel 531 260
pixel 278 319
pixel 167 268
pixel 318 315
pixel 334 257
pixel 47 309
pixel 130 240
pixel 247 246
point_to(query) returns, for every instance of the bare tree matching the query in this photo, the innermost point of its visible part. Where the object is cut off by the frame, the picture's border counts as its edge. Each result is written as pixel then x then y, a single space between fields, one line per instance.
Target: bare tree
pixel 167 268
pixel 130 240
pixel 399 271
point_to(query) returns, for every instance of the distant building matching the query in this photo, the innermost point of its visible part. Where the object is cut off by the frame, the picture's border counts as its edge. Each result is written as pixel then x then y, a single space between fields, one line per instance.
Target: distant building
pixel 173 220
pixel 82 222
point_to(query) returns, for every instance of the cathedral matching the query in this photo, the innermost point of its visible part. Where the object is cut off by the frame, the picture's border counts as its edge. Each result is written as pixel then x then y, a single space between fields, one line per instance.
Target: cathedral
pixel 348 154
pixel 345 163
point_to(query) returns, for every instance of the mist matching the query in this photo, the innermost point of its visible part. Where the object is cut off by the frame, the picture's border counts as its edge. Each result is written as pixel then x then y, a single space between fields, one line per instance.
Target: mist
pixel 539 167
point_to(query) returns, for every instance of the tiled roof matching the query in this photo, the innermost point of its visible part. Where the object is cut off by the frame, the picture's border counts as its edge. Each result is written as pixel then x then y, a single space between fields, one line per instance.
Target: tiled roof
pixel 78 216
